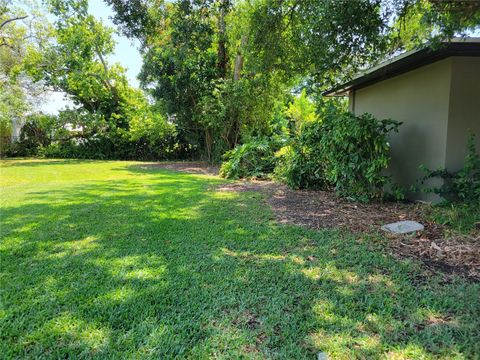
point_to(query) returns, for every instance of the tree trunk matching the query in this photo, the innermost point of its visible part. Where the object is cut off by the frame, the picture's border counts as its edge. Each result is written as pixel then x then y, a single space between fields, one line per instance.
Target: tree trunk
pixel 222 55
pixel 208 144
pixel 237 74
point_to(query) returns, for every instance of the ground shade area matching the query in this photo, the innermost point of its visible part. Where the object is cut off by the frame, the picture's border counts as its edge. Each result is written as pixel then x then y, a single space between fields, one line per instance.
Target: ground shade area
pixel 123 260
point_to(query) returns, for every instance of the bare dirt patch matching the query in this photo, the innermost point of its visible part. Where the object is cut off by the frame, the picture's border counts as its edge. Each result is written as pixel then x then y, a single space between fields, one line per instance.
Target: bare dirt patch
pixel 194 167
pixel 324 210
pixel 264 186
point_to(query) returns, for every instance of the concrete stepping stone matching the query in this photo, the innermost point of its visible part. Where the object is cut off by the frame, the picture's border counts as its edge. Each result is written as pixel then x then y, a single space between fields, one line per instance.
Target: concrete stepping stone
pixel 403 227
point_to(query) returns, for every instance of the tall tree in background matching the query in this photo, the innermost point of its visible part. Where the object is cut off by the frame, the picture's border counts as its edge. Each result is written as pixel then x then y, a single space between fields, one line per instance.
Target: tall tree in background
pixel 75 62
pixel 194 63
pixel 22 28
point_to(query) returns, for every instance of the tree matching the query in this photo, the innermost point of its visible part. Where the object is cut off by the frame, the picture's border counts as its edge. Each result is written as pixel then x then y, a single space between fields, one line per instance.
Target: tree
pixel 75 62
pixel 19 32
pixel 195 63
pixel 330 40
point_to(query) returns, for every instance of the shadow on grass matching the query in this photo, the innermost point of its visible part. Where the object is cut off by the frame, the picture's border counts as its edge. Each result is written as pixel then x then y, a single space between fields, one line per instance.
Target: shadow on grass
pixel 33 162
pixel 158 266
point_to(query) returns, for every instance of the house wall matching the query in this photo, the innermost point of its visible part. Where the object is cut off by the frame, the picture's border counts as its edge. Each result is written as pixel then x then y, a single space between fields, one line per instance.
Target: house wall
pixel 420 99
pixel 464 112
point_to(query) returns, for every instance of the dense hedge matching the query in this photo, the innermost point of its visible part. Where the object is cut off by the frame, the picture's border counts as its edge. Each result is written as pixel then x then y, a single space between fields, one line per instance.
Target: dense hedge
pixel 116 149
pixel 47 136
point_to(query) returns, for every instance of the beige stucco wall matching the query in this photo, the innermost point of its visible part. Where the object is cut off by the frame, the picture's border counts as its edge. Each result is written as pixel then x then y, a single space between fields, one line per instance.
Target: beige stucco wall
pixel 420 99
pixel 464 112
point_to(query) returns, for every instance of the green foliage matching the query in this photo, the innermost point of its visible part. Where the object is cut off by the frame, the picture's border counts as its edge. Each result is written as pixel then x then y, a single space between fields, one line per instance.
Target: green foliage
pixel 221 114
pixel 254 159
pixel 197 64
pixel 36 133
pixel 331 40
pixel 301 110
pixel 463 217
pixel 57 150
pixel 301 164
pixel 232 113
pixel 339 150
pixel 411 30
pixel 180 69
pixel 80 134
pixel 120 147
pixel 111 120
pixel 219 70
pixel 297 163
pixel 356 151
pixel 22 28
pixel 323 39
pixel 13 107
pixel 74 61
pixel 462 185
pixel 5 131
pixel 150 129
pixel 217 64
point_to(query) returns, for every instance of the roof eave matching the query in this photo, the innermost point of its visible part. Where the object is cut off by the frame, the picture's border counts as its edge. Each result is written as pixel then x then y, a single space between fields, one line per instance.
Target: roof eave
pixel 406 62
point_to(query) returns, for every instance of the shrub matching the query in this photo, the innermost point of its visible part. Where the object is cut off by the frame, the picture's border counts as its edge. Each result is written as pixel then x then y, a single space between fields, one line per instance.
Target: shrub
pixel 339 150
pixel 301 165
pixel 103 148
pixel 221 114
pixel 5 135
pixel 254 159
pixel 356 152
pixel 82 135
pixel 9 148
pixel 462 185
pixel 53 151
pixel 36 133
pixel 234 111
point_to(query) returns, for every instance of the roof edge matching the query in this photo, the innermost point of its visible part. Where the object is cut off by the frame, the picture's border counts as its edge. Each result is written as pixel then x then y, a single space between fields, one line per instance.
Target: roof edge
pixel 408 61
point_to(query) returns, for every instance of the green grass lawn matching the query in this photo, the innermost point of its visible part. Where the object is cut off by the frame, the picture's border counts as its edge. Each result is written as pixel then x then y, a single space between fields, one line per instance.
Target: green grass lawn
pixel 109 260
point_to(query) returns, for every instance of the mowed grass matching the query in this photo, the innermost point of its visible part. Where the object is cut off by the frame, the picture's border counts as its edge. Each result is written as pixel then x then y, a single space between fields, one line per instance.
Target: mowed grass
pixel 112 260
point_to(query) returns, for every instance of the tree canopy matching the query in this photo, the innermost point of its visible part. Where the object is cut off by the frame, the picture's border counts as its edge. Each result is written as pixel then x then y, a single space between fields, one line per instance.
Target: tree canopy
pixel 218 72
pixel 325 39
pixel 22 28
